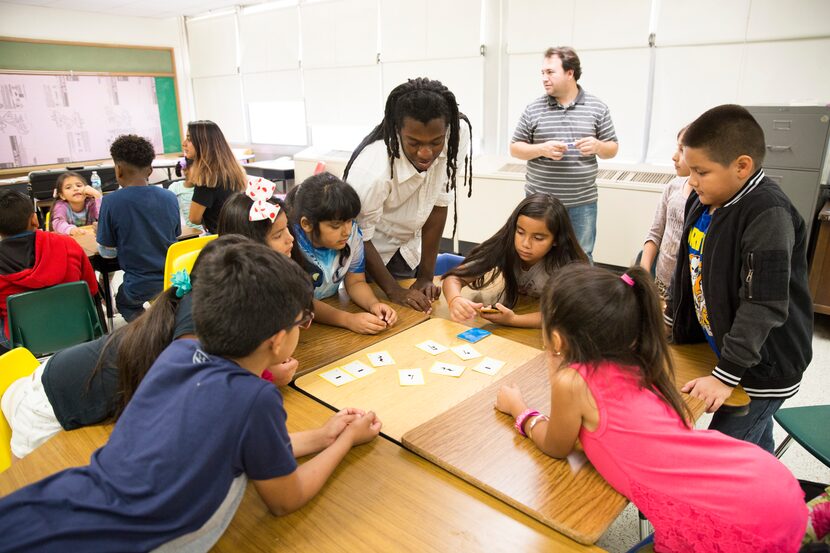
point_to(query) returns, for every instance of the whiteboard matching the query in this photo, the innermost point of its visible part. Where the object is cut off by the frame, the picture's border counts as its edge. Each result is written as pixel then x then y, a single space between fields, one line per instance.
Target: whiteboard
pixel 48 119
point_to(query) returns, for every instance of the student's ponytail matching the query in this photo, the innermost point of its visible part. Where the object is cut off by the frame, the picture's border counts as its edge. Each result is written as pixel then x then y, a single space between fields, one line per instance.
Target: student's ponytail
pixel 651 347
pixel 138 345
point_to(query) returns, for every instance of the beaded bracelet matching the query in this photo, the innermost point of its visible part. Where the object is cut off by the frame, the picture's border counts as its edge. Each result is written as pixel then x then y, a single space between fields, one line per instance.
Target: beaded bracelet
pixel 520 420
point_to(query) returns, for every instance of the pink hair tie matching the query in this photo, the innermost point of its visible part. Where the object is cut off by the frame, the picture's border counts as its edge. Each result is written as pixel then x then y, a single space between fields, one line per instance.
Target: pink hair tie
pixel 627 279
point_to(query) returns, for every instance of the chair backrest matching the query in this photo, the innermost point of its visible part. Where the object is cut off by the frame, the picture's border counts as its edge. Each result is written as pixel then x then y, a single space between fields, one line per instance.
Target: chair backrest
pixel 446 262
pixel 43 182
pixel 47 320
pixel 182 255
pixel 14 365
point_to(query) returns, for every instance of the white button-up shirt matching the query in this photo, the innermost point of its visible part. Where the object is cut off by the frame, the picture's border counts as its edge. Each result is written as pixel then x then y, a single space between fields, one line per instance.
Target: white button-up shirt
pixel 393 210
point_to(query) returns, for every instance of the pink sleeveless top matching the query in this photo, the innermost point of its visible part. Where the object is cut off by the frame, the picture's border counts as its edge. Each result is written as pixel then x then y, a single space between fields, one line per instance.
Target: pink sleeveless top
pixel 701 490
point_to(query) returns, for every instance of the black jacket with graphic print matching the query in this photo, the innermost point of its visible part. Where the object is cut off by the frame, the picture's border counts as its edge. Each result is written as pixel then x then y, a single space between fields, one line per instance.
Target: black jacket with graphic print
pixel 754 282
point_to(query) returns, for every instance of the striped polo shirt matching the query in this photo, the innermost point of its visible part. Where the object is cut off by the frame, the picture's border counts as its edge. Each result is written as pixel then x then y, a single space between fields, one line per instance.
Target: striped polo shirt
pixel 572 179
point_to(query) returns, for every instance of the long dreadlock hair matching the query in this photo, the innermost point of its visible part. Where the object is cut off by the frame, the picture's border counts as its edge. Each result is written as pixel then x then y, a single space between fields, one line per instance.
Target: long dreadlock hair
pixel 421 99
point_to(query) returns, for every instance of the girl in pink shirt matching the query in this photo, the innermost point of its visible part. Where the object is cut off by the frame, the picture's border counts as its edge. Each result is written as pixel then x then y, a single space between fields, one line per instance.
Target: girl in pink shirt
pixel 613 390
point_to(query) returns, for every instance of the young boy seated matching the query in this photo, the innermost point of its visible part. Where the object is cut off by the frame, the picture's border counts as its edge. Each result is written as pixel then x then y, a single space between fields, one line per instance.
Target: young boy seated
pixel 741 276
pixel 31 259
pixel 201 423
pixel 137 223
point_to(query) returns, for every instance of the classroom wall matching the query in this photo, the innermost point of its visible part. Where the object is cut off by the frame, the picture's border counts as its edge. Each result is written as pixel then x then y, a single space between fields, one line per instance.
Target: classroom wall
pixel 21 21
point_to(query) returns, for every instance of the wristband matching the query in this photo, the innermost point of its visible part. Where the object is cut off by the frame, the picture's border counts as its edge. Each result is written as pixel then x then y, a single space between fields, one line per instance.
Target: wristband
pixel 520 420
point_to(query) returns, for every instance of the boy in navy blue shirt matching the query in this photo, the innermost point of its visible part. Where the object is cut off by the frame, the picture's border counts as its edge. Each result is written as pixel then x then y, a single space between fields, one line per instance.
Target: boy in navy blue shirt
pixel 199 426
pixel 137 223
pixel 741 278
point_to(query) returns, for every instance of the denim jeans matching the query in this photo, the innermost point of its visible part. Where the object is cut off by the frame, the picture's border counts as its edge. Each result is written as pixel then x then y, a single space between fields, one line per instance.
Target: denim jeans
pixel 129 307
pixel 584 221
pixel 755 426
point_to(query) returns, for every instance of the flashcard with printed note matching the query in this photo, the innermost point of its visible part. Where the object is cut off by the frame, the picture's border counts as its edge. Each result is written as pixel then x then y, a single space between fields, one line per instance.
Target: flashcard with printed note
pixel 381 358
pixel 465 352
pixel 358 369
pixel 488 365
pixel 447 369
pixel 432 347
pixel 337 376
pixel 411 377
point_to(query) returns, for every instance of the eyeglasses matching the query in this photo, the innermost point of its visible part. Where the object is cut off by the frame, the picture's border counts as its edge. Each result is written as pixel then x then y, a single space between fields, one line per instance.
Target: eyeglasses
pixel 305 320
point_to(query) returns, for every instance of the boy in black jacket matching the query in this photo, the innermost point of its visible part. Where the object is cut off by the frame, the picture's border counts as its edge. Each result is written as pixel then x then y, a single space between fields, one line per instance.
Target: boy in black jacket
pixel 741 276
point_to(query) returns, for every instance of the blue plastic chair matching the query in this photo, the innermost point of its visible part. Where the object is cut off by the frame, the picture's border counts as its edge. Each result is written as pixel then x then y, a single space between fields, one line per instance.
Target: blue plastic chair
pixel 446 262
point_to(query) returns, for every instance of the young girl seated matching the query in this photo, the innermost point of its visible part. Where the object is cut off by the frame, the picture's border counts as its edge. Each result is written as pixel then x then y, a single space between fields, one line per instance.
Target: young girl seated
pixel 535 242
pixel 201 424
pixel 184 195
pixel 329 245
pixel 76 205
pixel 613 389
pixel 664 236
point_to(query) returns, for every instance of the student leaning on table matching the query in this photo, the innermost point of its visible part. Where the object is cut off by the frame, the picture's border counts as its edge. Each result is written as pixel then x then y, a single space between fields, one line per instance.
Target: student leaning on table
pixel 532 245
pixel 200 425
pixel 404 198
pixel 612 388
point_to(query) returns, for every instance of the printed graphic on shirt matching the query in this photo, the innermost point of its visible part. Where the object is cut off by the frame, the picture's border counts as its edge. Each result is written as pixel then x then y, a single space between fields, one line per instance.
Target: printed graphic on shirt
pixel 696 241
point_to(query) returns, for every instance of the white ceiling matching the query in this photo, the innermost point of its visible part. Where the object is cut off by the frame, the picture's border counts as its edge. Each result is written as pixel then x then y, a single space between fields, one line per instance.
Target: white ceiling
pixel 139 8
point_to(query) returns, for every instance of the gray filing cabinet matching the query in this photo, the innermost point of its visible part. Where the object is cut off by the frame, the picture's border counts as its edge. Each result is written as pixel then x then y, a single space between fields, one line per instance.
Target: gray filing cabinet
pixel 796 157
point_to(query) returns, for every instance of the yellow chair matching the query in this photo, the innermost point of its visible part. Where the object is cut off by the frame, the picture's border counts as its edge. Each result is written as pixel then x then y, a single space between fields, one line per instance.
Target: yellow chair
pixel 182 255
pixel 13 365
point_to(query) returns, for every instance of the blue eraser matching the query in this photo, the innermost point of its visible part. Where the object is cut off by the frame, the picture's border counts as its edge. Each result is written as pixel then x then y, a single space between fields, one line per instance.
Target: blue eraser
pixel 474 335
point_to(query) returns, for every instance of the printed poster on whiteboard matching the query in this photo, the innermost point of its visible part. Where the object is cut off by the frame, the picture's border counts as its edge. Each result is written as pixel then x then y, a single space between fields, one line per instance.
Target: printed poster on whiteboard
pixel 49 119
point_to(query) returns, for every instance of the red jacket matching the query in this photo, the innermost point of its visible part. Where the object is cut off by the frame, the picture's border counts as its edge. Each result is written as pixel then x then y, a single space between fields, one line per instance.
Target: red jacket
pixel 58 259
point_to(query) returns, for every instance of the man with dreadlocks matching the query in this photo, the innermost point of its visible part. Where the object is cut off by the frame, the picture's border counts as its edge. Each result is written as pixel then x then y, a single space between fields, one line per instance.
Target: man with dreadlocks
pixel 561 134
pixel 404 198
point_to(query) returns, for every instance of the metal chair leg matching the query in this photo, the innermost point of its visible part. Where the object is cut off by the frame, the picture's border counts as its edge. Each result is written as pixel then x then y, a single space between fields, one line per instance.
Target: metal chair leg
pixel 785 445
pixel 645 525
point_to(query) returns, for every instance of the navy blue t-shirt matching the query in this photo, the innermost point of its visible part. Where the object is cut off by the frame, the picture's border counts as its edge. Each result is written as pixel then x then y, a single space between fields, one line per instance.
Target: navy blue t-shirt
pixel 142 222
pixel 196 422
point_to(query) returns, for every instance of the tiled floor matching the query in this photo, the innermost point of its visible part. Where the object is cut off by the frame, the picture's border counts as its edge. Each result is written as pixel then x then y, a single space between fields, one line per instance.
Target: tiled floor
pixel 815 390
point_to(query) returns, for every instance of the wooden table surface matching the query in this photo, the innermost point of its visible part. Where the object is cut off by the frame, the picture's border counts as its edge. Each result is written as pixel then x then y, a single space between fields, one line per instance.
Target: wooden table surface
pixel 402 408
pixel 691 361
pixel 477 443
pixel 322 344
pixel 90 246
pixel 381 498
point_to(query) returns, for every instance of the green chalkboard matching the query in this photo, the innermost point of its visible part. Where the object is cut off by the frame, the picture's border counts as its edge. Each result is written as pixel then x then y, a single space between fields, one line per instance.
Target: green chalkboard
pixel 169 114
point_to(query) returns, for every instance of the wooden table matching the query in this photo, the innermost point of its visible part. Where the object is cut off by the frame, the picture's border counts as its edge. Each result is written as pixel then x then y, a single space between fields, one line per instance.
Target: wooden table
pixel 479 444
pixel 322 344
pixel 402 408
pixel 820 267
pixel 381 498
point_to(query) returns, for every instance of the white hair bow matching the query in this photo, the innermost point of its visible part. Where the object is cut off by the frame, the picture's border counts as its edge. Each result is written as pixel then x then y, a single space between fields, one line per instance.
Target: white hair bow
pixel 260 191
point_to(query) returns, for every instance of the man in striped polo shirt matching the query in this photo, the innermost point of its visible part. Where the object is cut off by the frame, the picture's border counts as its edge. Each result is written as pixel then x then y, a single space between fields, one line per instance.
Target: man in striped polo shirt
pixel 560 135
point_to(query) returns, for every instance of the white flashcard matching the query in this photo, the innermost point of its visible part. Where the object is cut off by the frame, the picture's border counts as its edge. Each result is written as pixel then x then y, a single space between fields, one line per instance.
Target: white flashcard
pixel 337 376
pixel 381 358
pixel 447 369
pixel 466 352
pixel 489 366
pixel 358 369
pixel 576 460
pixel 433 347
pixel 411 377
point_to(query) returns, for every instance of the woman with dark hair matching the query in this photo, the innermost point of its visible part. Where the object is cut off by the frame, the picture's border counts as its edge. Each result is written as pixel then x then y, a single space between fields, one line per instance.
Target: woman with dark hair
pixel 404 199
pixel 533 244
pixel 212 169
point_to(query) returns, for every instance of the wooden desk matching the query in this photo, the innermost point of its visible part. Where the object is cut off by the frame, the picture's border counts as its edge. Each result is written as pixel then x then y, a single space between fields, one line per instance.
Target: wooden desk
pixel 322 344
pixel 381 498
pixel 402 408
pixel 690 361
pixel 477 443
pixel 90 245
